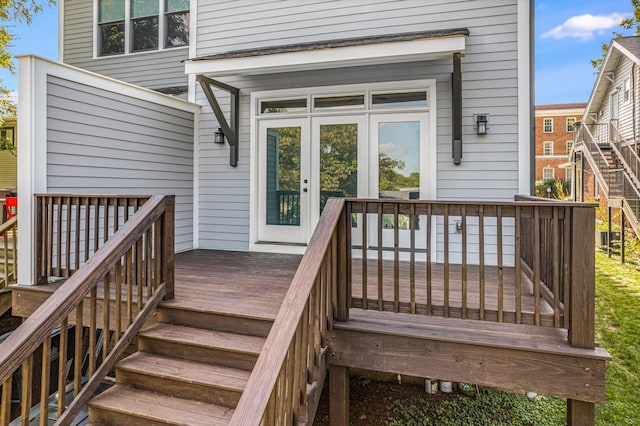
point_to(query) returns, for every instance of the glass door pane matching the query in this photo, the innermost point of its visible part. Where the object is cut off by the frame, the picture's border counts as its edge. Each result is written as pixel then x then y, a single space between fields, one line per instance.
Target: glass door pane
pixel 283 197
pixel 338 161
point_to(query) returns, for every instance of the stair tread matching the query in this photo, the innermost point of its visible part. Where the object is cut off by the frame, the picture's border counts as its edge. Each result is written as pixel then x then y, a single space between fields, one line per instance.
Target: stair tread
pixel 186 370
pixel 161 408
pixel 204 338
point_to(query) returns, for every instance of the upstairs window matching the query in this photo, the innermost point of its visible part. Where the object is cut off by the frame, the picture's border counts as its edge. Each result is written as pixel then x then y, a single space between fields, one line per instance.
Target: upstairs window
pixel 626 93
pixel 569 146
pixel 148 25
pixel 547 148
pixel 548 125
pixel 571 124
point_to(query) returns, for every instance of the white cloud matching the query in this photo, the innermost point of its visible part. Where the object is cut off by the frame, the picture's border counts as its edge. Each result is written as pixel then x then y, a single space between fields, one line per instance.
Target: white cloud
pixel 584 27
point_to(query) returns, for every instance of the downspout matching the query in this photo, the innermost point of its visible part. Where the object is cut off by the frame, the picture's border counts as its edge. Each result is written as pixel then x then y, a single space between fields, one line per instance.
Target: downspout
pixel 633 100
pixel 456 119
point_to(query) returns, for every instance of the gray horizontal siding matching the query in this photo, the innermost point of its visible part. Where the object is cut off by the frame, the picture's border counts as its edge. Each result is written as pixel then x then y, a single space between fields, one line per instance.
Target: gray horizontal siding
pixel 106 143
pixel 489 168
pixel 155 70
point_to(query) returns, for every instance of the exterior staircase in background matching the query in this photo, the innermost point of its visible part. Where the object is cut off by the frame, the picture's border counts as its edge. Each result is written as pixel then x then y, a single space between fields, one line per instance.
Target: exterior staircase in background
pixel 191 368
pixel 8 257
pixel 616 166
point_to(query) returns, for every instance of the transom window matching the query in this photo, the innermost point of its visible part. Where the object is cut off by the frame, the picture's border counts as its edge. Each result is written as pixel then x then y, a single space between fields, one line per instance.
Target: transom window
pixel 547 173
pixel 149 25
pixel 547 148
pixel 548 125
pixel 571 122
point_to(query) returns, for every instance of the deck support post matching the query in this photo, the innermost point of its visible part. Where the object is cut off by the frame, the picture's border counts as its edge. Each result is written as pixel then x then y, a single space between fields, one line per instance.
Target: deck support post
pixel 582 300
pixel 338 395
pixel 580 413
pixel 168 247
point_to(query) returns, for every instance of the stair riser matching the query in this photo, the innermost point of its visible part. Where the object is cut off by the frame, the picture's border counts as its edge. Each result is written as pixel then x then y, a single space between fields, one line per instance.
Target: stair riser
pixel 179 388
pixel 103 417
pixel 196 353
pixel 214 321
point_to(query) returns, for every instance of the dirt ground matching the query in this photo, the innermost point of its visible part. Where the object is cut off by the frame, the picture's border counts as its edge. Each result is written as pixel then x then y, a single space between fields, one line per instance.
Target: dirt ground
pixel 370 400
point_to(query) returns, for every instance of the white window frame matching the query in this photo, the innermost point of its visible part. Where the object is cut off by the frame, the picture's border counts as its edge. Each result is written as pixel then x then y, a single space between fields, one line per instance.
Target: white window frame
pixel 128 30
pixel 546 169
pixel 569 145
pixel 573 124
pixel 568 175
pixel 544 125
pixel 546 144
pixel 626 90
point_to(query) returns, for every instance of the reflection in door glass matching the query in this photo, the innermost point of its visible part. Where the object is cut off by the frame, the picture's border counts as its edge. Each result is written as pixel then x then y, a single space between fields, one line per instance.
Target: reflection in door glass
pixel 399 165
pixel 283 176
pixel 338 161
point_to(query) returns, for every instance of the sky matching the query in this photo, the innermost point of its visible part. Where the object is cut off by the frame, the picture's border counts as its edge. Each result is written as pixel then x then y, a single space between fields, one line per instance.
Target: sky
pixel 569 33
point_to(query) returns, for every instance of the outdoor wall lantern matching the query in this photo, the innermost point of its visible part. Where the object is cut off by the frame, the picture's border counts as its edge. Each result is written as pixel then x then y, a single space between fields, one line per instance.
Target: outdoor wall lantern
pixel 218 137
pixel 481 124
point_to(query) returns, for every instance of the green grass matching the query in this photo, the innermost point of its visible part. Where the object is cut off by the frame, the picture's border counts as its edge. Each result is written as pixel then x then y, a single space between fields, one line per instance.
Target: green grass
pixel 617 330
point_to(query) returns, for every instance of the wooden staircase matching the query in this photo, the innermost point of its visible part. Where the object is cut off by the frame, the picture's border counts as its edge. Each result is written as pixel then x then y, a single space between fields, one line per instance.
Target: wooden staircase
pixel 191 368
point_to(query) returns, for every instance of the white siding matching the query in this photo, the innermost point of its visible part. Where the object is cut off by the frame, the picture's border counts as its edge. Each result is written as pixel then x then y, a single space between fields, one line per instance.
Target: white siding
pixel 155 70
pixel 107 143
pixel 489 168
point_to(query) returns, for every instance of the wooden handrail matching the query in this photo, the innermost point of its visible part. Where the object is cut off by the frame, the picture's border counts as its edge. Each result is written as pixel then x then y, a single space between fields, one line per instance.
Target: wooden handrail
pixel 257 403
pixel 148 229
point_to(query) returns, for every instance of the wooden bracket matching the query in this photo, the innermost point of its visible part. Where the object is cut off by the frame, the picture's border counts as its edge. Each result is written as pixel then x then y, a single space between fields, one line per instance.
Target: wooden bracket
pixel 231 128
pixel 456 98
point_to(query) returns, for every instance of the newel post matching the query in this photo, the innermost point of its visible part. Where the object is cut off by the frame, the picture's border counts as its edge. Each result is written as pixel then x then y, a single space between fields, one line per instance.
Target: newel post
pixel 582 297
pixel 343 265
pixel 168 246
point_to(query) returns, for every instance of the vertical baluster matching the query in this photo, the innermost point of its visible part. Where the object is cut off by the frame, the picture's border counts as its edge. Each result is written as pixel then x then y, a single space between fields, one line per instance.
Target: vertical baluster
pixel 128 278
pixel 96 224
pixel 481 278
pixel 412 258
pixel 77 233
pixel 157 247
pixel 299 384
pixel 62 366
pixel 148 262
pixel 49 243
pixel 464 261
pixel 291 390
pixel 87 227
pixel 536 263
pixel 93 327
pixel 446 261
pixel 58 268
pixel 380 266
pixel 396 259
pixel 333 287
pixel 305 344
pixel 139 268
pixel 5 407
pixel 118 289
pixel 317 341
pixel 567 265
pixel 365 243
pixel 555 242
pixel 429 266
pixel 67 254
pixel 44 381
pixel 77 361
pixel 26 396
pixel 106 314
pixel 106 220
pixel 518 266
pixel 500 268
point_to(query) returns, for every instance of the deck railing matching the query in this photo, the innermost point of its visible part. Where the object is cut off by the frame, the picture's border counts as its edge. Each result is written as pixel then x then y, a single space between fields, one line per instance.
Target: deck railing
pixel 628 155
pixel 293 358
pixel 608 175
pixel 8 252
pixel 79 325
pixel 71 228
pixel 504 262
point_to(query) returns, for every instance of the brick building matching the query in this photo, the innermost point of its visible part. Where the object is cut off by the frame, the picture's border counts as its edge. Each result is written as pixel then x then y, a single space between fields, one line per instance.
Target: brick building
pixel 554 138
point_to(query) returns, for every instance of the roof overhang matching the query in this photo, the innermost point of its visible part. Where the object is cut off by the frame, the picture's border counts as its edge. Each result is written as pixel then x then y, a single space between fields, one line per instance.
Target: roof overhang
pixel 362 51
pixel 601 86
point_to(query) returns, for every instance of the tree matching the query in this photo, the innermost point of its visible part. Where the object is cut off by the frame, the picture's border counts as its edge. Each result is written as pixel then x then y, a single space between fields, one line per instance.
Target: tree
pixel 631 23
pixel 12 12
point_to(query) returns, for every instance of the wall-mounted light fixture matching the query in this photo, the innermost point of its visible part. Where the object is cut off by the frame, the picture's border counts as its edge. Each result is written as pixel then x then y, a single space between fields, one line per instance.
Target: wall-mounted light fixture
pixel 218 137
pixel 481 124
